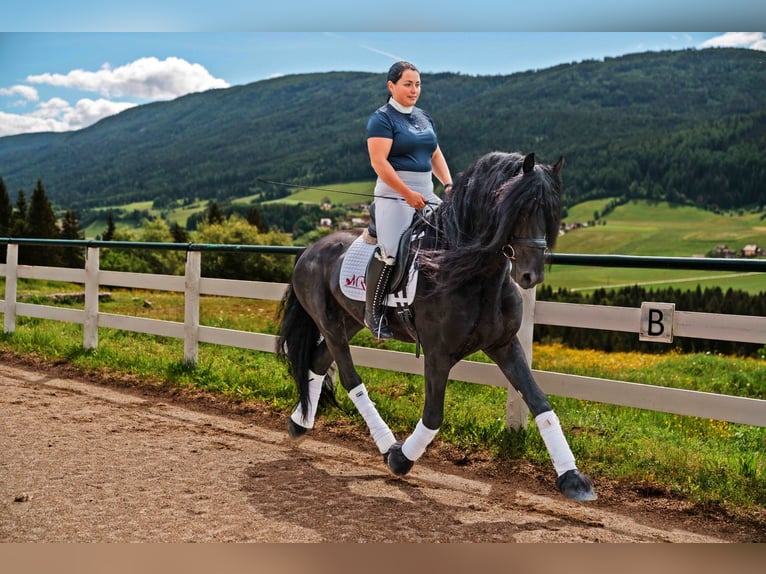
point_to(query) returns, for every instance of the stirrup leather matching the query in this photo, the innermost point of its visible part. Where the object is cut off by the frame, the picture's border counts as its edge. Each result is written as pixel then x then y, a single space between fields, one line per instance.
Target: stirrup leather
pixel 377 278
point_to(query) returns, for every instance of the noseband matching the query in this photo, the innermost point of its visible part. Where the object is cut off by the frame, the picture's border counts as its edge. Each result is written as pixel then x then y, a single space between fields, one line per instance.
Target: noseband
pixel 535 242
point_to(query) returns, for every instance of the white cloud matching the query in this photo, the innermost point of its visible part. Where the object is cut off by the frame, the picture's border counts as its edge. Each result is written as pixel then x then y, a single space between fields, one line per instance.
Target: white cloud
pixel 26 92
pixel 51 109
pixel 57 115
pixel 12 124
pixel 146 78
pixel 87 112
pixel 751 40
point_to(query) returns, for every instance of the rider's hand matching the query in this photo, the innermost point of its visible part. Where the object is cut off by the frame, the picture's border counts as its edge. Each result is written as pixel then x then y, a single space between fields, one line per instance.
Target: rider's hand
pixel 414 199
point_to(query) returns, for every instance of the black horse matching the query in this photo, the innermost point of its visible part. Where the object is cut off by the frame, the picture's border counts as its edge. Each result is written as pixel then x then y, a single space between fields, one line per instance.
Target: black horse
pixel 482 244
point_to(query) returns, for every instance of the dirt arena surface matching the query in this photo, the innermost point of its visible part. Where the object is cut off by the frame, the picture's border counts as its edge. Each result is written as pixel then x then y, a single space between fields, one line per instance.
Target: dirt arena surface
pixel 89 460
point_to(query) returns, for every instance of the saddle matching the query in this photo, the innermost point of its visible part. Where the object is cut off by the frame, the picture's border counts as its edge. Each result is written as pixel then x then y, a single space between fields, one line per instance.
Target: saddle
pixel 404 276
pixel 401 287
pixel 405 257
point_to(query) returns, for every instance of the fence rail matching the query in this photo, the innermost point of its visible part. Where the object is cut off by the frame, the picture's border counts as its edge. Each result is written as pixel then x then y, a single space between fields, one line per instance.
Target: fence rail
pixel 686 324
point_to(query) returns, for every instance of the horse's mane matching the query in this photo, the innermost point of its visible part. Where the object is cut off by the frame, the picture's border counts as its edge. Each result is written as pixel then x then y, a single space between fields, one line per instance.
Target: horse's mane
pixel 476 219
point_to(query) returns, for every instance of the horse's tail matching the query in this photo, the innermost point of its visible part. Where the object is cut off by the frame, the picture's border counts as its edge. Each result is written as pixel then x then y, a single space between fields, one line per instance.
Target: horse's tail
pixel 297 343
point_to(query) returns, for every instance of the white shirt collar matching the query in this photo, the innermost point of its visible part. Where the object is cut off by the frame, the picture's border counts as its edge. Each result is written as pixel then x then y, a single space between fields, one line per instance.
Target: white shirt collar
pixel 399 107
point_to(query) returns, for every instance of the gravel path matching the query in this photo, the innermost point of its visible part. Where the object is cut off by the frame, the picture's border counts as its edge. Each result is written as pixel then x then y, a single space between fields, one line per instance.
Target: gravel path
pixel 87 461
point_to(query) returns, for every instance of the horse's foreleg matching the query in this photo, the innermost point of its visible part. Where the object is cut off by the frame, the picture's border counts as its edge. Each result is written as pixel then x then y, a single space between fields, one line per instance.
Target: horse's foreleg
pixel 402 456
pixel 571 482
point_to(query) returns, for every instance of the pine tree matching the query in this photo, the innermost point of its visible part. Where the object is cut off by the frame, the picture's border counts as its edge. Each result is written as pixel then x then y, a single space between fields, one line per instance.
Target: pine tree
pixel 179 234
pixel 110 228
pixel 42 223
pixel 214 214
pixel 70 229
pixel 6 210
pixel 19 217
pixel 254 217
pixel 6 216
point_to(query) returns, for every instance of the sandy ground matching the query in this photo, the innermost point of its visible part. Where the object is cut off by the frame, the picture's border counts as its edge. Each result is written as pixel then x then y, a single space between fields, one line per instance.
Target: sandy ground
pixel 83 460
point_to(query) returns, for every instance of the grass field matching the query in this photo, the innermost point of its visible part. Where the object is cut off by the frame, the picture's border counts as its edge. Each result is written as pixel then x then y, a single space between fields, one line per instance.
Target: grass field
pixel 338 194
pixel 656 229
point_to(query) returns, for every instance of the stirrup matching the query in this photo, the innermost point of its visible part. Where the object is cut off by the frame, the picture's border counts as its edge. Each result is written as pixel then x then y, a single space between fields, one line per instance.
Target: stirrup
pixel 381 332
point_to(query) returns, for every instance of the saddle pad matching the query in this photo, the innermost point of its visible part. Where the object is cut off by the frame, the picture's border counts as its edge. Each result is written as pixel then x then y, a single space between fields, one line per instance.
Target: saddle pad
pixel 354 268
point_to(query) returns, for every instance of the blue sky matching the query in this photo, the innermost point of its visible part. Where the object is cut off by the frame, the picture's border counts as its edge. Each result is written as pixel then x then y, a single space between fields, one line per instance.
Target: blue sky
pixel 64 65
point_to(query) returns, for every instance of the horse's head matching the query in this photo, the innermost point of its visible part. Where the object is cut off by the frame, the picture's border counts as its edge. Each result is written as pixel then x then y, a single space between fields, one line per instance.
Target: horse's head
pixel 536 191
pixel 502 204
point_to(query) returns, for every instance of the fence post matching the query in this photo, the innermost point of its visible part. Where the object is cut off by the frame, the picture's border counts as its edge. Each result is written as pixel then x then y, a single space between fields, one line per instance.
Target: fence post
pixel 516 410
pixel 11 276
pixel 191 306
pixel 90 326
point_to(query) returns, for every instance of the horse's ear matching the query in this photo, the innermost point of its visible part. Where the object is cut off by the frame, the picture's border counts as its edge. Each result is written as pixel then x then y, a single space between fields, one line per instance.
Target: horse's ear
pixel 529 162
pixel 558 165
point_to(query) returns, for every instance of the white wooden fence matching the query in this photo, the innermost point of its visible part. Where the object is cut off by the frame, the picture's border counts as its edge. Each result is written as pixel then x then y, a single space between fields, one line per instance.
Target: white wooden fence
pixel 193 285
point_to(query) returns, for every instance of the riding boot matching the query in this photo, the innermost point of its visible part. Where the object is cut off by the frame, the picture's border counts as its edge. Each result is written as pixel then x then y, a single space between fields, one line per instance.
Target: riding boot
pixel 376 284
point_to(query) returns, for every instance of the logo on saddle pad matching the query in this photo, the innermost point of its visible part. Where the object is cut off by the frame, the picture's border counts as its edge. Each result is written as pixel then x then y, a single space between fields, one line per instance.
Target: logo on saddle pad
pixel 356 282
pixel 354 269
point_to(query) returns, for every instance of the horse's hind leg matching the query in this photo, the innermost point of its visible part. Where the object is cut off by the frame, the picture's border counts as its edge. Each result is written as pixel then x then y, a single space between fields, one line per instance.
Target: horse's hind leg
pixel 335 347
pixel 320 377
pixel 337 339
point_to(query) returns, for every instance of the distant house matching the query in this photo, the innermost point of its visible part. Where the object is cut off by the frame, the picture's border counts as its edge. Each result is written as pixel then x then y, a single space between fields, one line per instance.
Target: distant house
pixel 567 227
pixel 325 222
pixel 752 251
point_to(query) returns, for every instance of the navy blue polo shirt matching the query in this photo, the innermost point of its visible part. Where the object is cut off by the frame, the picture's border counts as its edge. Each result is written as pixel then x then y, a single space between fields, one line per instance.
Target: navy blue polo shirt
pixel 414 136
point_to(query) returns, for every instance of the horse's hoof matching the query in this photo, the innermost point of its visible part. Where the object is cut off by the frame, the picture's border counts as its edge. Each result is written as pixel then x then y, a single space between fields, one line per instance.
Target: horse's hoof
pixel 396 461
pixel 575 485
pixel 296 431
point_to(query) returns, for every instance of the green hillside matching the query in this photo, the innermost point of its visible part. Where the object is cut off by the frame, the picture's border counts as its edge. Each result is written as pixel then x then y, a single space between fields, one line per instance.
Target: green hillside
pixel 656 229
pixel 336 194
pixel 685 126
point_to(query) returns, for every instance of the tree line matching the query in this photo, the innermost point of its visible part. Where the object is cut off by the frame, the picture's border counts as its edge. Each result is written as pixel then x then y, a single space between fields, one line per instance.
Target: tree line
pixel 37 219
pixel 708 300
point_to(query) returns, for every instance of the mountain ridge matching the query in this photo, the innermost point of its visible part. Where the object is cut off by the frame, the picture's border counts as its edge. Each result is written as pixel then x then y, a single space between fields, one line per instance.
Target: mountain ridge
pixel 686 126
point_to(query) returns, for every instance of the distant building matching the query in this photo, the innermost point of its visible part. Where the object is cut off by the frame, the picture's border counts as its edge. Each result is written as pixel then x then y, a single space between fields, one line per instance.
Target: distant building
pixel 752 251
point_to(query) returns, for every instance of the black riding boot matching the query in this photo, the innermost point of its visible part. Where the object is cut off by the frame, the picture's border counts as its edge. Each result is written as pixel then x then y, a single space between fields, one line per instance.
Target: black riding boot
pixel 376 284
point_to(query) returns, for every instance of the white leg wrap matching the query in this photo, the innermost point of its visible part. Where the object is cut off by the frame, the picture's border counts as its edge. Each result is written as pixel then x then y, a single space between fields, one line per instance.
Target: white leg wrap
pixel 306 420
pixel 381 434
pixel 553 437
pixel 416 444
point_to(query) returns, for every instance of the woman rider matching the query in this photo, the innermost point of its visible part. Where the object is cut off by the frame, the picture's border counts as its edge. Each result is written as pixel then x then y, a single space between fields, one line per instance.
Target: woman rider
pixel 404 152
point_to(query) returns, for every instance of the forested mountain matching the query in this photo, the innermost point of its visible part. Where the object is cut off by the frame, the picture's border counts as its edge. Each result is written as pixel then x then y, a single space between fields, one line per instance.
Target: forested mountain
pixel 686 126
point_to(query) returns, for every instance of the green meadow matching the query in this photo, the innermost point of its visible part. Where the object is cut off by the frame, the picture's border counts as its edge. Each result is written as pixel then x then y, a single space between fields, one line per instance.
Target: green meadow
pixel 656 229
pixel 337 194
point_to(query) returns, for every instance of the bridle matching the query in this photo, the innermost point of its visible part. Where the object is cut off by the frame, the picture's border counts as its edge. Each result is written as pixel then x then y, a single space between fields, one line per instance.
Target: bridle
pixel 535 242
